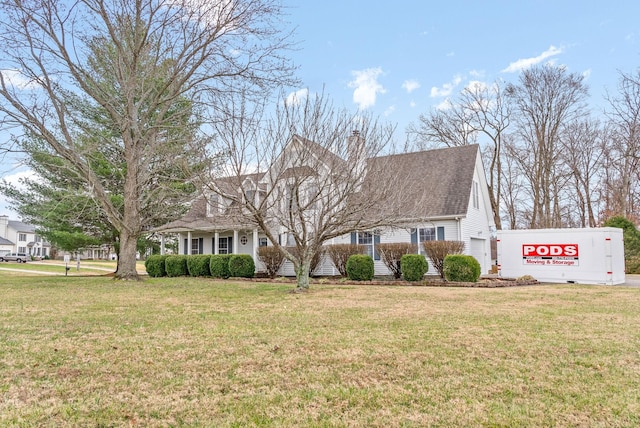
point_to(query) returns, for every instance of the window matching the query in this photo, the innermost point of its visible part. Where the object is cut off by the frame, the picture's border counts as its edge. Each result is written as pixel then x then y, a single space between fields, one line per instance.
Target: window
pixel 262 242
pixel 225 245
pixel 476 195
pixel 370 240
pixel 213 206
pixel 22 250
pixel 251 196
pixel 427 234
pixel 418 236
pixel 292 197
pixel 196 246
pixel 244 240
pixel 22 237
pixel 38 238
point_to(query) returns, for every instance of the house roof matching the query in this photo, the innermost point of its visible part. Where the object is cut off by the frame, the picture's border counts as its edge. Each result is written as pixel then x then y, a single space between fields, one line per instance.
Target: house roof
pixel 4 241
pixel 21 227
pixel 438 182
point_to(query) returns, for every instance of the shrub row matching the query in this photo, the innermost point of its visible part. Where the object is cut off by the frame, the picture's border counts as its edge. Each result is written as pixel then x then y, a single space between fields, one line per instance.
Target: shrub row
pixel 215 265
pixel 456 267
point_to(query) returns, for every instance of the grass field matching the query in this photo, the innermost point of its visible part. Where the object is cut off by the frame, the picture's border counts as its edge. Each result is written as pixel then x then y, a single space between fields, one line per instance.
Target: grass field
pixel 88 351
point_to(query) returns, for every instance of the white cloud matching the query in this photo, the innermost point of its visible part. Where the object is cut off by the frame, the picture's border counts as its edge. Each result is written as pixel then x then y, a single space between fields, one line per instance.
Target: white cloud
pixel 410 85
pixel 366 86
pixel 389 111
pixel 586 74
pixel 447 88
pixel 297 97
pixel 524 63
pixel 17 79
pixel 15 181
pixel 412 103
pixel 476 85
pixel 444 105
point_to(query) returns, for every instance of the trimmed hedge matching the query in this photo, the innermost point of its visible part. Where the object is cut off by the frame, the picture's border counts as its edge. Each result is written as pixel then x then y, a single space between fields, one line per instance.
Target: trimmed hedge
pixel 340 253
pixel 155 265
pixel 360 267
pixel 242 266
pixel 461 268
pixel 176 265
pixel 198 264
pixel 219 266
pixel 391 255
pixel 413 267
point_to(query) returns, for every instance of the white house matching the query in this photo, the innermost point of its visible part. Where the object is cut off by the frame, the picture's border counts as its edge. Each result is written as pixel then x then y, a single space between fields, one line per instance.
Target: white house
pixel 19 237
pixel 448 200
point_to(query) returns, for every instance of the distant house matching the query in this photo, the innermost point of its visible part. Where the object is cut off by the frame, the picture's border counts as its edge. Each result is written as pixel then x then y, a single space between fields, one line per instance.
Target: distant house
pixel 19 237
pixel 449 200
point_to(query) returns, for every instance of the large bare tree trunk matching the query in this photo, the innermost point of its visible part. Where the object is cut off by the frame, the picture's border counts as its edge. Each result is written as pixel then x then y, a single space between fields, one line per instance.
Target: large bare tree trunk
pixel 127 257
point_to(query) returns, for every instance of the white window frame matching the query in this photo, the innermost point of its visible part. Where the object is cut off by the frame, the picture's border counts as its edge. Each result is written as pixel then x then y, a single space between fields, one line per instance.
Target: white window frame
pixel 476 195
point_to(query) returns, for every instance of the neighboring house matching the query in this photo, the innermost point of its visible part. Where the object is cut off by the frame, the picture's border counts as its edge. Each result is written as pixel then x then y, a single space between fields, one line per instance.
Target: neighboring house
pixel 20 237
pixel 448 200
pixel 93 252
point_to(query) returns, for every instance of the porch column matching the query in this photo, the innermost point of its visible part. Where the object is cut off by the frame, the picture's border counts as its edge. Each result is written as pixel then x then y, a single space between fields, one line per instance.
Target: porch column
pixel 162 243
pixel 235 242
pixel 189 242
pixel 216 238
pixel 255 244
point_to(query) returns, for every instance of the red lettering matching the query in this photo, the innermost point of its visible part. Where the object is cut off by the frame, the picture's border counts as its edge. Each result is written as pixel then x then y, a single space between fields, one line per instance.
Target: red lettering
pixel 554 250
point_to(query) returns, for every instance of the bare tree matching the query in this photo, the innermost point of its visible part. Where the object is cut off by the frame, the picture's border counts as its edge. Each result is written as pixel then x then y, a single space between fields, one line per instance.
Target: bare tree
pixel 304 176
pixel 448 127
pixel 582 145
pixel 166 60
pixel 545 98
pixel 480 112
pixel 623 154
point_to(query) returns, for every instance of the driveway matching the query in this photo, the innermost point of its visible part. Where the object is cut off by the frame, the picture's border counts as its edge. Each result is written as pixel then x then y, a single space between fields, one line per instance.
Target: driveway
pixel 632 281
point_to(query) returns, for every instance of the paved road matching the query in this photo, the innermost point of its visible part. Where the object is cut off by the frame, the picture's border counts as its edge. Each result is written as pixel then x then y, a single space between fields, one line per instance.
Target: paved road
pixel 632 281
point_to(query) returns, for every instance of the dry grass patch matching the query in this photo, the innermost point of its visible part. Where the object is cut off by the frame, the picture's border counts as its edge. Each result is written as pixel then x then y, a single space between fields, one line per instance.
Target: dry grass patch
pixel 198 352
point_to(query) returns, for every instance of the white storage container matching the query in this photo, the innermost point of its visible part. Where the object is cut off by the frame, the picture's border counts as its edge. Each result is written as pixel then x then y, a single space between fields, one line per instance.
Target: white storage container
pixel 584 256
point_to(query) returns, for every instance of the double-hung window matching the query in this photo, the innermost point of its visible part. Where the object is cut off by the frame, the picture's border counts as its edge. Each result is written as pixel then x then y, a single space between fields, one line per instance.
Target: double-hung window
pixel 370 240
pixel 422 234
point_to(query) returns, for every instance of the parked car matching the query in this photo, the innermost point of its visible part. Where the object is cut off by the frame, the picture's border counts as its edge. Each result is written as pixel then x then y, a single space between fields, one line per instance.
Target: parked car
pixel 14 257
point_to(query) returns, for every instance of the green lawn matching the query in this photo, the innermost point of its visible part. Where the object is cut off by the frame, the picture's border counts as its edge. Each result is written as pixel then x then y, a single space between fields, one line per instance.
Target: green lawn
pixel 88 351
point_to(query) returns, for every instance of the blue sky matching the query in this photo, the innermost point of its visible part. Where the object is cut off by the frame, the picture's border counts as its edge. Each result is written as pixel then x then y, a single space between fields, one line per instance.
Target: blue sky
pixel 402 58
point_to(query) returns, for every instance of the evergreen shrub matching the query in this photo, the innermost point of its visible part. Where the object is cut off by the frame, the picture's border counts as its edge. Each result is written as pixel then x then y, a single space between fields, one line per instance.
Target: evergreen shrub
pixel 176 265
pixel 340 253
pixel 242 266
pixel 198 264
pixel 438 250
pixel 219 266
pixel 413 266
pixel 461 268
pixel 391 255
pixel 155 265
pixel 360 267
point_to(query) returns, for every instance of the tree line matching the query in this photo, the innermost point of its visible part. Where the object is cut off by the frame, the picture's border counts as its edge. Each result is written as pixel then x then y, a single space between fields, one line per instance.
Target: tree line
pixel 550 161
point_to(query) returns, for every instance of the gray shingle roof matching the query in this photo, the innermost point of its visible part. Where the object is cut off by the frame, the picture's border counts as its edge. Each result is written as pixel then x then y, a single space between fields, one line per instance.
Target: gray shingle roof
pixel 437 181
pixel 22 227
pixel 4 241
